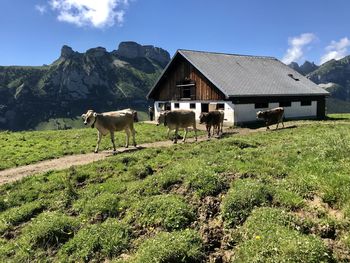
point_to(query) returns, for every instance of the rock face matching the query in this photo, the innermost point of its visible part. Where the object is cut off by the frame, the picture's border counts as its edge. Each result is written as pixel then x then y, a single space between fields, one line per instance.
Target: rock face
pixel 308 67
pixel 134 50
pixel 75 82
pixel 304 69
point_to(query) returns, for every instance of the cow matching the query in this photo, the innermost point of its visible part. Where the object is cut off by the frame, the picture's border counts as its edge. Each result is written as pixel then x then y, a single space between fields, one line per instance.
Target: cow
pixel 178 119
pixel 213 119
pixel 272 116
pixel 133 112
pixel 109 122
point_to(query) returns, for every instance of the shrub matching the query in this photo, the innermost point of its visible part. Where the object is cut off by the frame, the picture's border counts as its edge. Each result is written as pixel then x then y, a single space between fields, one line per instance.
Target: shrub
pixel 105 204
pixel 242 197
pixel 184 246
pixel 168 211
pixel 17 215
pixel 49 229
pixel 96 242
pixel 269 235
pixel 204 182
pixel 287 198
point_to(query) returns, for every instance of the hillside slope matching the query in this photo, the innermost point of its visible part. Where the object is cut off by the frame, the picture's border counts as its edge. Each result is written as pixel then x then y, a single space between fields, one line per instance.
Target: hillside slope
pixel 76 82
pixel 278 196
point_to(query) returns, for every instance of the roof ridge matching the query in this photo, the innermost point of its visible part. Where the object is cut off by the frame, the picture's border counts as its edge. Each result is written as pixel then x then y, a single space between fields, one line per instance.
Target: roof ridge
pixel 229 54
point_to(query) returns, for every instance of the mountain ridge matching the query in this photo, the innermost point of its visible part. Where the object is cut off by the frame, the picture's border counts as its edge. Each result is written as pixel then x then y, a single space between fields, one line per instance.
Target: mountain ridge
pixel 77 81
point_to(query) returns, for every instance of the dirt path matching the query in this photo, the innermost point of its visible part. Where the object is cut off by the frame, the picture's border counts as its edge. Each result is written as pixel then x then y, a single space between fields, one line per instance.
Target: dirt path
pixel 17 173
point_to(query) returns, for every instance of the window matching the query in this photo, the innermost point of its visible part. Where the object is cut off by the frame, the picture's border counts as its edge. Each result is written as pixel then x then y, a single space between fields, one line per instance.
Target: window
pixel 305 103
pixel 164 106
pixel 161 105
pixel 285 103
pixel 220 106
pixel 192 105
pixel 205 107
pixel 260 105
pixel 186 92
pixel 292 76
pixel 186 89
pixel 176 105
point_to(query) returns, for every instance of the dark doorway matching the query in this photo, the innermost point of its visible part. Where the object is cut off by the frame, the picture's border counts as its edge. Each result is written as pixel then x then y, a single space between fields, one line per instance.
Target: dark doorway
pixel 205 107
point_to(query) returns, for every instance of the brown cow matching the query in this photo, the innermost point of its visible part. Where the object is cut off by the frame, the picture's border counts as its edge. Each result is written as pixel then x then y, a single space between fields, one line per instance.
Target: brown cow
pixel 178 119
pixel 273 116
pixel 109 122
pixel 213 119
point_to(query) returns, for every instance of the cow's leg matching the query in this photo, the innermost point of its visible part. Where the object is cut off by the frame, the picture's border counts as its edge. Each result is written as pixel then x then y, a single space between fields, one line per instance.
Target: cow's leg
pixel 176 131
pixel 195 131
pixel 133 136
pixel 282 122
pixel 99 136
pixel 132 129
pixel 208 130
pixel 267 126
pixel 184 139
pixel 168 133
pixel 127 132
pixel 112 140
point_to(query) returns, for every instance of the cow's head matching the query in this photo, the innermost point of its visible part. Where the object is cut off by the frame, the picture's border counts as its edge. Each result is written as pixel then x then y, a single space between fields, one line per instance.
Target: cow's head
pixel 162 118
pixel 260 114
pixel 203 117
pixel 89 118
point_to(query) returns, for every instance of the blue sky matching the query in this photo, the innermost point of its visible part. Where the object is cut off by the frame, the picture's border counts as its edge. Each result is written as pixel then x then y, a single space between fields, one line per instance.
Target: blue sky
pixel 32 32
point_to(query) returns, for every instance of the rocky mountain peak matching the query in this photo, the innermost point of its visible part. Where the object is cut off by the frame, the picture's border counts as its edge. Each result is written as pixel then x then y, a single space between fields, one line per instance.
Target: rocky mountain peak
pixel 308 67
pixel 66 51
pixel 305 68
pixel 97 51
pixel 130 49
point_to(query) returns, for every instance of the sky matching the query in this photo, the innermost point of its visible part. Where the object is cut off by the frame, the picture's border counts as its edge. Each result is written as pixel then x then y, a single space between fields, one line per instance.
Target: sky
pixel 32 32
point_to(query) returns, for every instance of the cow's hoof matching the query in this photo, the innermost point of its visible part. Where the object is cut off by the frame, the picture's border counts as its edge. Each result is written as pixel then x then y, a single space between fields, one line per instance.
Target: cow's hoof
pixel 95 151
pixel 114 152
pixel 175 142
pixel 126 146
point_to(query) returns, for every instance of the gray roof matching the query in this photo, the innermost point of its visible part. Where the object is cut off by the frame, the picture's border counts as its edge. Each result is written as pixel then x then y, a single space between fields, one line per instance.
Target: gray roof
pixel 240 75
pixel 237 75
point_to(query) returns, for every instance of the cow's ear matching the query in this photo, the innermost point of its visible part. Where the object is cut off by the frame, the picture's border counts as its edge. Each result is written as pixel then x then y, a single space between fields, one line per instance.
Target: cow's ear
pixel 95 114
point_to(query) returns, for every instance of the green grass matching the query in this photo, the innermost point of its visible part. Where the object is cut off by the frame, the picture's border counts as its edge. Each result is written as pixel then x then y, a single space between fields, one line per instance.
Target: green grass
pixel 184 246
pixel 277 196
pixel 96 242
pixel 270 235
pixel 170 212
pixel 21 148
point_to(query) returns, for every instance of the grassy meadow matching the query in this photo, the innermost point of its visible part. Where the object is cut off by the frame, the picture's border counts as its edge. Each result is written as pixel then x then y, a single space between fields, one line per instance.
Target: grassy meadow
pixel 21 148
pixel 277 196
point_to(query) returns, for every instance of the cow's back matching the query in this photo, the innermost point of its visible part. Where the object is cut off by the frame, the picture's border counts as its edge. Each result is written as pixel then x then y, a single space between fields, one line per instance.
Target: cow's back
pixel 116 120
pixel 180 119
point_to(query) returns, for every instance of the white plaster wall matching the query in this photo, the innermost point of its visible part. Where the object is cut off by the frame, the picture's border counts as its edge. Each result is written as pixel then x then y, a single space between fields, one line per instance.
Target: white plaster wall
pixel 247 112
pixel 185 105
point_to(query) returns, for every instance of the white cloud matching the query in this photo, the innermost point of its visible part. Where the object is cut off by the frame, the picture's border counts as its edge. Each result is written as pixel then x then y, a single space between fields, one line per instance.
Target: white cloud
pixel 296 47
pixel 336 50
pixel 41 9
pixel 95 13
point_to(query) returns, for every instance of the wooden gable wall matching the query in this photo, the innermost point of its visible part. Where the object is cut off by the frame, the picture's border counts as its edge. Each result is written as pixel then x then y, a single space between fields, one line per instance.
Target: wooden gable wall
pixel 179 70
